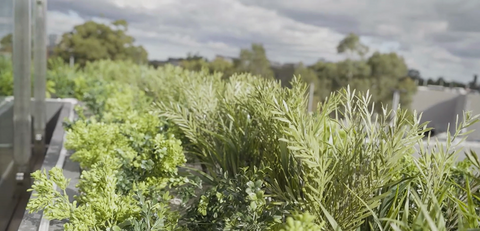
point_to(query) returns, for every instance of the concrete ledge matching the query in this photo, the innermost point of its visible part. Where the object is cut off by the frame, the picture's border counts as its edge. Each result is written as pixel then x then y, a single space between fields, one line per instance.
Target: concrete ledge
pixel 56 156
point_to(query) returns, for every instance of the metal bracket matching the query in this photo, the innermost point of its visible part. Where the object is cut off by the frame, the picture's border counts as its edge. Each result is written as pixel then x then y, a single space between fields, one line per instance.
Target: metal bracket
pixel 20 176
pixel 6 145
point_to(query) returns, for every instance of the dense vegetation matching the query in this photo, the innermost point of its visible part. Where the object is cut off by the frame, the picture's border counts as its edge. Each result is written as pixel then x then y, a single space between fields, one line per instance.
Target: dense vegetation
pixel 172 149
pixel 379 73
pixel 198 147
pixel 92 41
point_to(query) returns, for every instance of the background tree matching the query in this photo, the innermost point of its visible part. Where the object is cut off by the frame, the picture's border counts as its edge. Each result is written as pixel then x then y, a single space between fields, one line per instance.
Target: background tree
pixel 194 62
pixel 93 41
pixel 353 72
pixel 197 63
pixel 221 65
pixel 351 45
pixel 6 43
pixel 407 88
pixel 327 74
pixel 414 74
pixel 285 73
pixel 474 84
pixel 380 73
pixel 441 81
pixel 309 76
pixel 458 84
pixel 255 61
pixel 387 72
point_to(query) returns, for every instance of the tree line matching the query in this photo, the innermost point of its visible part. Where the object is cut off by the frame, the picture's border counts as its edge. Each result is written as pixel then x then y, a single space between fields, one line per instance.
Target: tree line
pixel 440 81
pixel 380 73
pixel 92 41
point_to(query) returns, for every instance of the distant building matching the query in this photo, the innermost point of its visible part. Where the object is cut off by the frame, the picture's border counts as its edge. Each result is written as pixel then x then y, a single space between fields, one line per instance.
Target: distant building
pixel 175 61
pixel 172 61
pixel 442 105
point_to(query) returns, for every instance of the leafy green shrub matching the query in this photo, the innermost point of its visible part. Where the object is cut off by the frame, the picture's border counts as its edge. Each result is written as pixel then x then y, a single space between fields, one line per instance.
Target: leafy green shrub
pixel 6 76
pixel 114 174
pixel 236 203
pixel 267 163
pixel 6 79
pixel 129 162
pixel 342 164
pixel 63 76
pixel 301 222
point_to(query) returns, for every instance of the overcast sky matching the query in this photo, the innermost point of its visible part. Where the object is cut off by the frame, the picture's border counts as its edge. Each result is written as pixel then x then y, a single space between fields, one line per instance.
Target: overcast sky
pixel 437 37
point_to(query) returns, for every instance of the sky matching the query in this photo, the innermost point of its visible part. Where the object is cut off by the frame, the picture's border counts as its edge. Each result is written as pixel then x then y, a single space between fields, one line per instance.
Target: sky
pixel 437 37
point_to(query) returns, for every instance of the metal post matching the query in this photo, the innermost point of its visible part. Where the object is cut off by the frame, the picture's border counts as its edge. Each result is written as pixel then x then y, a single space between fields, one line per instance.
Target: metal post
pixel 310 97
pixel 72 61
pixel 40 67
pixel 395 102
pixel 21 73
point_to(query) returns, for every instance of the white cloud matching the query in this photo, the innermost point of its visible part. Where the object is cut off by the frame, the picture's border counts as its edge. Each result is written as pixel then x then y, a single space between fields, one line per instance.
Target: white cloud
pixel 429 33
pixel 59 23
pixel 217 19
pixel 6 20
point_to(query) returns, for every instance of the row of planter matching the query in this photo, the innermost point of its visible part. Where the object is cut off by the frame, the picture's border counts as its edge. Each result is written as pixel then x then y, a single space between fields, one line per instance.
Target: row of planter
pixel 169 149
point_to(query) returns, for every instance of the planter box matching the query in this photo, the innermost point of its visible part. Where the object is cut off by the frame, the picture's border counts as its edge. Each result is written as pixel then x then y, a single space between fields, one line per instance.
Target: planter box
pixel 13 199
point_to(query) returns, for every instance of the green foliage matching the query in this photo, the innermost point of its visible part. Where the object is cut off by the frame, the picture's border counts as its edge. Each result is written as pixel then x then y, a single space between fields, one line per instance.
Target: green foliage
pixel 218 65
pixel 6 43
pixel 237 203
pixel 108 193
pixel 407 88
pixel 301 222
pixel 387 72
pixel 110 155
pixel 63 76
pixel 308 75
pixel 381 74
pixel 255 61
pixel 129 162
pixel 194 64
pixel 222 66
pixel 267 164
pixel 6 79
pixel 6 76
pixel 351 44
pixel 154 214
pixel 343 170
pixel 95 41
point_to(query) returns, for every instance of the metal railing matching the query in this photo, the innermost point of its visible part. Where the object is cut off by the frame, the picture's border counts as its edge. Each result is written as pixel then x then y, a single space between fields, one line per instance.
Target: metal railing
pixel 22 82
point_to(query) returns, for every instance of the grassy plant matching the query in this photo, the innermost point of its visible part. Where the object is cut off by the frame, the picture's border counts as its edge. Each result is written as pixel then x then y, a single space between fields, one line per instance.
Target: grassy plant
pixel 266 159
